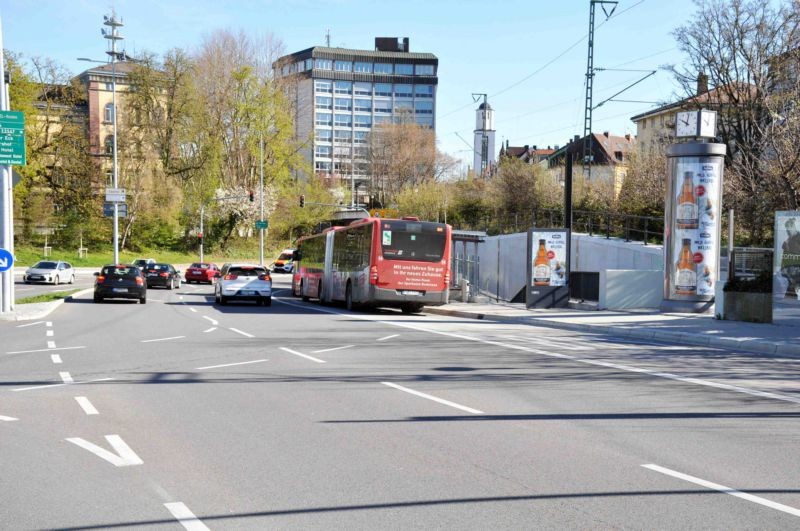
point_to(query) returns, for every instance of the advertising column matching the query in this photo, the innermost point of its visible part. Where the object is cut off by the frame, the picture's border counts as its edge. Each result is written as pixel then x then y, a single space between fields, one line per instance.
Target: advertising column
pixel 692 226
pixel 548 268
pixel 786 280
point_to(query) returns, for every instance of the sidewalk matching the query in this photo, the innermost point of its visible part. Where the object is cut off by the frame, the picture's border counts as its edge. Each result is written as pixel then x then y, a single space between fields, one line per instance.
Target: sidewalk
pixel 687 329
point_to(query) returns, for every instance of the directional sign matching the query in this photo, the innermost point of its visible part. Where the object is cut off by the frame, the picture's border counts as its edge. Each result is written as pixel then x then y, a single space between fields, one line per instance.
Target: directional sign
pixel 12 138
pixel 115 195
pixel 262 224
pixel 122 210
pixel 6 260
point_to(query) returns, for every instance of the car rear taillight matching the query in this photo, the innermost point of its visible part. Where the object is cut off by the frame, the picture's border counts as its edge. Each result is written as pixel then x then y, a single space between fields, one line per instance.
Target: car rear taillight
pixel 230 276
pixel 373 275
pixel 100 279
pixel 165 275
pixel 139 281
pixel 264 277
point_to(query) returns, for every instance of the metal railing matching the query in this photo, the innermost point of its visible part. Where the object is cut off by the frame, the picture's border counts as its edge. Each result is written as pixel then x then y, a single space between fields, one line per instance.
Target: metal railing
pixel 465 267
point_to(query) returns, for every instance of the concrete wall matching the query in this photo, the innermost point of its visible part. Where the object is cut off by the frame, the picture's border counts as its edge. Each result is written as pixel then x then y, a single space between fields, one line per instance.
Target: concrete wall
pixel 503 260
pixel 626 289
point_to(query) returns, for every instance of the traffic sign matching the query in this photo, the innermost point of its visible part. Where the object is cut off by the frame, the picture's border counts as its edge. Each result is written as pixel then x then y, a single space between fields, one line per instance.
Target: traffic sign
pixel 262 224
pixel 122 210
pixel 12 138
pixel 6 260
pixel 115 195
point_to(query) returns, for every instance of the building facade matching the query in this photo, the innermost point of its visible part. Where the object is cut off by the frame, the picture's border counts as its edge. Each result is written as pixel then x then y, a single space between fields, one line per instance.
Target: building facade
pixel 340 95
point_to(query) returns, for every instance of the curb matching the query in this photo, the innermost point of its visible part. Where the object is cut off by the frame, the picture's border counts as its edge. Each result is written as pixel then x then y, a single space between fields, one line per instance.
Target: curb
pixel 40 310
pixel 755 346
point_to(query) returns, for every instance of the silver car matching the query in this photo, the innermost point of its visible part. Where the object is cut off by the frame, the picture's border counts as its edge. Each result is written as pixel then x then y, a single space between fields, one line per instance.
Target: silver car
pixel 244 282
pixel 50 271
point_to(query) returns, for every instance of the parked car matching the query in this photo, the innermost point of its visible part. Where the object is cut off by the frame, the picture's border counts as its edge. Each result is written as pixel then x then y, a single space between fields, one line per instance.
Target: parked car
pixel 142 263
pixel 244 282
pixel 201 272
pixel 121 281
pixel 285 262
pixel 56 272
pixel 163 275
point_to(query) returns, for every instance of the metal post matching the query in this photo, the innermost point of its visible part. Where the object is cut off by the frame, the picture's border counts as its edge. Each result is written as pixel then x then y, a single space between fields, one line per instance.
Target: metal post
pixel 730 234
pixel 645 230
pixel 114 36
pixel 202 234
pixel 6 206
pixel 261 192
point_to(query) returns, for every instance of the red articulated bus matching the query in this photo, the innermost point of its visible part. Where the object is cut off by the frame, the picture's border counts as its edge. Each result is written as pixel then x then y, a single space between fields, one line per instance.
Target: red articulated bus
pixel 402 263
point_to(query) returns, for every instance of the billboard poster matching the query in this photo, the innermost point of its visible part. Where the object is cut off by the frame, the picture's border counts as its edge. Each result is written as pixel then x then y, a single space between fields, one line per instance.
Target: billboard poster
pixel 693 253
pixel 786 279
pixel 549 257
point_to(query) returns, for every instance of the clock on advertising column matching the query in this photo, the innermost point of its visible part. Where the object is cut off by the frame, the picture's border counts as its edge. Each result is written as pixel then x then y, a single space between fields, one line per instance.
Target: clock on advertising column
pixel 694 124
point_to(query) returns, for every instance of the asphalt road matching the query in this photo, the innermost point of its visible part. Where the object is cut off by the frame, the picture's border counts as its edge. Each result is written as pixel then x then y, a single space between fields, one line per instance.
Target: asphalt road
pixel 83 280
pixel 300 416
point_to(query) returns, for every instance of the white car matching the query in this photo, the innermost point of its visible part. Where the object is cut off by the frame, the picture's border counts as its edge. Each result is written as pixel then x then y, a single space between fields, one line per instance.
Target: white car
pixel 244 282
pixel 55 272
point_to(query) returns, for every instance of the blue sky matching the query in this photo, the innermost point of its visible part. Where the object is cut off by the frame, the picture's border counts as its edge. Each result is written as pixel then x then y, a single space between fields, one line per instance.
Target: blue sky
pixel 502 49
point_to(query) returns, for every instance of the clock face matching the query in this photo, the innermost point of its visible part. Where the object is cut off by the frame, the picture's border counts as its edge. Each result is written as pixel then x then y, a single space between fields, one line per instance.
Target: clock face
pixel 708 124
pixel 686 124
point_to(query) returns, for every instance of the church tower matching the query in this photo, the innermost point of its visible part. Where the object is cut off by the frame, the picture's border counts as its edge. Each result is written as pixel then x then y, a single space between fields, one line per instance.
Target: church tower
pixel 484 140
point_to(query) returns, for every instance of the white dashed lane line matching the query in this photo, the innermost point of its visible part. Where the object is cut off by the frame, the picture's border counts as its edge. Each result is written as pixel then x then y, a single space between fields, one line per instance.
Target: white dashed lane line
pixel 332 349
pixel 49 333
pixel 26 325
pixel 186 518
pixel 229 365
pixel 213 321
pixel 162 339
pixel 51 344
pixel 434 398
pixel 306 356
pixel 207 330
pixel 3 418
pixel 245 334
pixel 56 358
pixel 86 405
pixel 60 384
pixel 42 350
pixel 66 377
pixel 387 337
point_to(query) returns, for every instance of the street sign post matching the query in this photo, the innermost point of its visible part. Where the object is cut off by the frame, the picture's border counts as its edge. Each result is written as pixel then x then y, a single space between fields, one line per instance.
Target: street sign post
pixel 12 138
pixel 6 260
pixel 115 195
pixel 262 224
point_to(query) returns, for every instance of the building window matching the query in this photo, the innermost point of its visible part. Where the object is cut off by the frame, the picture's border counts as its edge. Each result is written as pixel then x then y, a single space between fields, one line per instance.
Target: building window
pixel 386 119
pixel 110 87
pixel 424 120
pixel 404 70
pixel 363 67
pixel 362 105
pixel 108 145
pixel 383 68
pixel 322 166
pixel 403 91
pixel 323 151
pixel 423 91
pixel 644 123
pixel 423 107
pixel 343 120
pixel 360 137
pixel 343 66
pixel 323 135
pixel 362 120
pixel 343 136
pixel 383 89
pixel 323 64
pixel 108 112
pixel 342 151
pixel 324 102
pixel 309 64
pixel 362 89
pixel 343 87
pixel 360 152
pixel 322 85
pixel 343 104
pixel 383 106
pixel 324 118
pixel 424 70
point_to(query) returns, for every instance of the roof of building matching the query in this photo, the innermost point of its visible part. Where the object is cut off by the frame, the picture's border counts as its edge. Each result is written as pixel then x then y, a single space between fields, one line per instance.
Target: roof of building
pixel 713 97
pixel 608 143
pixel 350 53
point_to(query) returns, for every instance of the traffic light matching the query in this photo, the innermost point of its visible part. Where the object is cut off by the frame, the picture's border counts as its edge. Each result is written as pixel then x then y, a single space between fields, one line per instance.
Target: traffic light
pixel 252 196
pixel 302 201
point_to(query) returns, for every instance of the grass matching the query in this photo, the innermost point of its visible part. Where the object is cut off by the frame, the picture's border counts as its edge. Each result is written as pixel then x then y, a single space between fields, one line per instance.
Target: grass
pixel 47 297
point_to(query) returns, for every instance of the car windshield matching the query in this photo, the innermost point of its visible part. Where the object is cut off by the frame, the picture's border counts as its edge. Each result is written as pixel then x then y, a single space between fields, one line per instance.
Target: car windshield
pixel 45 265
pixel 246 271
pixel 158 267
pixel 120 271
pixel 285 256
pixel 200 266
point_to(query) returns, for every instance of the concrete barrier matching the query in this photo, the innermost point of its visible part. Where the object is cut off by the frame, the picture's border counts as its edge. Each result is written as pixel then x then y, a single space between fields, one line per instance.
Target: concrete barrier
pixel 629 289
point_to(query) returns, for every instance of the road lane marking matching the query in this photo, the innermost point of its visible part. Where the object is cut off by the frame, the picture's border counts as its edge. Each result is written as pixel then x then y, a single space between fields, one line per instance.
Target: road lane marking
pixel 435 399
pixel 86 406
pixel 228 365
pixel 213 321
pixel 66 377
pixel 124 455
pixel 617 366
pixel 332 349
pixel 387 337
pixel 3 418
pixel 60 385
pixel 727 490
pixel 312 358
pixel 207 330
pixel 245 334
pixel 193 310
pixel 185 517
pixel 29 324
pixel 51 344
pixel 56 358
pixel 49 324
pixel 42 350
pixel 49 333
pixel 162 339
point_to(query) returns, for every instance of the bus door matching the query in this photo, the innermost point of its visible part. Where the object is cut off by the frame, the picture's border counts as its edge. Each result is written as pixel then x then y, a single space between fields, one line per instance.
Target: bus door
pixel 328 272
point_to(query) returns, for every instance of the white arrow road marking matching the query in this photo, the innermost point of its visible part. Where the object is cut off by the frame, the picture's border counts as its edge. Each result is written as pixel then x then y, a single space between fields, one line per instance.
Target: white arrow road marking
pixel 3 418
pixel 245 334
pixel 66 377
pixel 331 349
pixel 162 339
pixel 387 337
pixel 727 490
pixel 213 321
pixel 42 350
pixel 290 351
pixel 434 398
pixel 56 358
pixel 124 456
pixel 229 365
pixel 28 324
pixel 186 518
pixel 86 406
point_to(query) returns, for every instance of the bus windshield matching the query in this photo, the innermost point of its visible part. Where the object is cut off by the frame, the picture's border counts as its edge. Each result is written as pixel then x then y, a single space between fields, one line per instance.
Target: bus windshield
pixel 413 241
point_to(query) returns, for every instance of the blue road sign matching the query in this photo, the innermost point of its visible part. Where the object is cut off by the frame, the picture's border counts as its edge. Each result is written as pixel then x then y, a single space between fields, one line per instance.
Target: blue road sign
pixel 6 260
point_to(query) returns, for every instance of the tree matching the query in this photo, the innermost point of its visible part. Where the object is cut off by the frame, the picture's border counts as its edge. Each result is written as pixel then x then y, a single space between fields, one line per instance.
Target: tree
pixel 746 47
pixel 643 189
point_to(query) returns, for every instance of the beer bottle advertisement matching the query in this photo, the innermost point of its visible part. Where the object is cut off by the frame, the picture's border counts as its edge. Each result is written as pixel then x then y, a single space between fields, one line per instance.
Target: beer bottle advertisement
pixel 549 252
pixel 696 228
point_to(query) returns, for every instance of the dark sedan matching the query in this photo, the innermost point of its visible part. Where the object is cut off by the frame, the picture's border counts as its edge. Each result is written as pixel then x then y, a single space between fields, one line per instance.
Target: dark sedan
pixel 162 275
pixel 122 281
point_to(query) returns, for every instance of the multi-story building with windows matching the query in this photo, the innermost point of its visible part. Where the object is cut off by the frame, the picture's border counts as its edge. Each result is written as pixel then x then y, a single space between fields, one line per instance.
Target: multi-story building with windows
pixel 341 94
